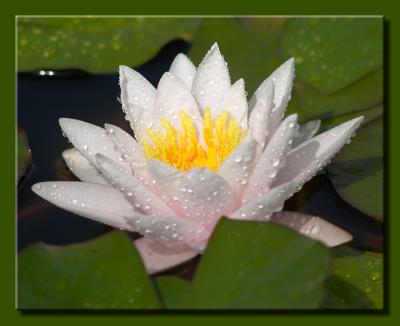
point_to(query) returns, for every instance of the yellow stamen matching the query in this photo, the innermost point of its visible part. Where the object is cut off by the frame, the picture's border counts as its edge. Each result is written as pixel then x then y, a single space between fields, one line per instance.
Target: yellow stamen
pixel 183 149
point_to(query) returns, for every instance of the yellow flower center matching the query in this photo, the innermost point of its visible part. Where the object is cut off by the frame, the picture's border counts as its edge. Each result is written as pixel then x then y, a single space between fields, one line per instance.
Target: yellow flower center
pixel 183 149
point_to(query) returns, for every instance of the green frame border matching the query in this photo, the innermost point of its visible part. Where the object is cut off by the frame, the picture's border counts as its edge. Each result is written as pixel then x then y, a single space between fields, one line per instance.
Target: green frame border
pixel 205 7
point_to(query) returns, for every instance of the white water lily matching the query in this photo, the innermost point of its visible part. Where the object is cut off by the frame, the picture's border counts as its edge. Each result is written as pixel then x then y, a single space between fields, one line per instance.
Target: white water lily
pixel 200 152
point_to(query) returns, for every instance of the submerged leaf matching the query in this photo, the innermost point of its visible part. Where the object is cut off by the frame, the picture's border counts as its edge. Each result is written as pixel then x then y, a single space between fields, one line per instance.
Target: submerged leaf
pixel 357 171
pixel 24 153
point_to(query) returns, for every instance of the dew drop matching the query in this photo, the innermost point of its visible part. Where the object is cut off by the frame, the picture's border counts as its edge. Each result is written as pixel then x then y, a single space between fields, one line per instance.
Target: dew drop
pixel 238 159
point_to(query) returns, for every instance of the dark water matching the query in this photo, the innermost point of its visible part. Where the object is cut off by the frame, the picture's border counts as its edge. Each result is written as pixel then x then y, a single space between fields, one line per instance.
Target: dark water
pixel 42 100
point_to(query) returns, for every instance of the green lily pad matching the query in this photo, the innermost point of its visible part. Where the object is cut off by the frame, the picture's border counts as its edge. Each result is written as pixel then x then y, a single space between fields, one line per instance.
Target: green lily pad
pixel 361 96
pixel 369 115
pixel 174 292
pixel 95 44
pixel 103 273
pixel 23 152
pixel 249 46
pixel 357 280
pixel 260 265
pixel 332 53
pixel 357 171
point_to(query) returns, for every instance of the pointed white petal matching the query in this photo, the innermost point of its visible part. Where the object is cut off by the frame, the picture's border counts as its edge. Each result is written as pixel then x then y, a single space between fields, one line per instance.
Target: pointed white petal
pixel 89 140
pixel 141 197
pixel 130 150
pixel 204 195
pixel 173 96
pixel 282 78
pixel 135 89
pixel 81 167
pixel 239 165
pixel 283 82
pixel 271 160
pixel 166 228
pixel 234 100
pixel 259 116
pixel 262 208
pixel 137 97
pixel 303 162
pixel 183 68
pixel 98 202
pixel 212 79
pixel 313 227
pixel 159 256
pixel 306 131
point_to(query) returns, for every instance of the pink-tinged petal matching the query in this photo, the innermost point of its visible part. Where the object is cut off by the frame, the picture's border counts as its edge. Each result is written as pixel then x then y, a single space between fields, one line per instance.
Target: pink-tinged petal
pixel 81 167
pixel 130 150
pixel 203 195
pixel 304 161
pixel 173 96
pixel 234 100
pixel 141 197
pixel 212 79
pixel 165 175
pixel 89 140
pixel 239 165
pixel 135 89
pixel 271 160
pixel 184 69
pixel 166 228
pixel 306 131
pixel 98 202
pixel 263 207
pixel 159 256
pixel 166 182
pixel 313 227
pixel 283 82
pixel 259 116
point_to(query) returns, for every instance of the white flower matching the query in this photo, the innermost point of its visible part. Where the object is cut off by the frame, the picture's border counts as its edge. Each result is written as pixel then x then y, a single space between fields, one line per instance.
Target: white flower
pixel 200 152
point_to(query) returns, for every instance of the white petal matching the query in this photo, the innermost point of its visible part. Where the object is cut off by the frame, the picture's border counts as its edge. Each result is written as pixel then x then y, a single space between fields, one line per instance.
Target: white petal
pixel 204 195
pixel 313 227
pixel 89 140
pixel 184 69
pixel 130 150
pixel 283 82
pixel 306 131
pixel 166 228
pixel 262 208
pixel 271 160
pixel 98 202
pixel 166 175
pixel 173 96
pixel 238 165
pixel 303 162
pixel 212 79
pixel 135 89
pixel 138 98
pixel 234 100
pixel 141 197
pixel 159 256
pixel 81 167
pixel 259 116
pixel 167 178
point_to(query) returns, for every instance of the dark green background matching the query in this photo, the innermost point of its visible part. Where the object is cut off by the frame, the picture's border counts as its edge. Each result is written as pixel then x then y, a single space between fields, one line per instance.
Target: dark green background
pixel 282 7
